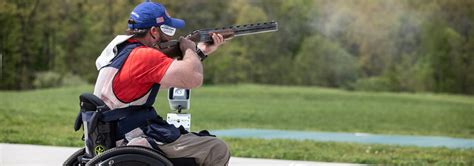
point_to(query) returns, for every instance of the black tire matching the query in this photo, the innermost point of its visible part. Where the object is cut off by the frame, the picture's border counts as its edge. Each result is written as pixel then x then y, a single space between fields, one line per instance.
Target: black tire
pixel 130 156
pixel 73 159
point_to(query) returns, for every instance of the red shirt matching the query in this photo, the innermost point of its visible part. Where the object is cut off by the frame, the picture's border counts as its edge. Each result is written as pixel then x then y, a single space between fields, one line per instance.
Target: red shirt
pixel 144 67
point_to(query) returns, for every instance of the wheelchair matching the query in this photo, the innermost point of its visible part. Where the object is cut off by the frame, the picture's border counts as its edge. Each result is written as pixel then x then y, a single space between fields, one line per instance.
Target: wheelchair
pixel 100 141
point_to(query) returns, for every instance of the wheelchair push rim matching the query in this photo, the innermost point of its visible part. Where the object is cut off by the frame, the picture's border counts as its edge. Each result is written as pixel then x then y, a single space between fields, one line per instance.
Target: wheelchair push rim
pixel 130 155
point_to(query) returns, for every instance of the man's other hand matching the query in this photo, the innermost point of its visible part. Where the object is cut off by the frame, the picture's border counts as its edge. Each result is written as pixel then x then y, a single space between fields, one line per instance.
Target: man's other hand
pixel 210 48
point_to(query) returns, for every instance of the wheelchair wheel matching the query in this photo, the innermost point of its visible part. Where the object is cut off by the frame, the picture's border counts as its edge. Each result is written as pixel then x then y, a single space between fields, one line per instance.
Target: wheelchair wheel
pixel 73 159
pixel 130 156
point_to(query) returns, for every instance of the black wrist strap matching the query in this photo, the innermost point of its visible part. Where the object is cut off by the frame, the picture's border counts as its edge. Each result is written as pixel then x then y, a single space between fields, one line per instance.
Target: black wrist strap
pixel 201 54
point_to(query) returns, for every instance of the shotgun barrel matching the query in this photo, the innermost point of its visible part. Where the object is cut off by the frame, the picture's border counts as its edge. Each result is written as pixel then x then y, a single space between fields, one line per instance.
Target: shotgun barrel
pixel 171 48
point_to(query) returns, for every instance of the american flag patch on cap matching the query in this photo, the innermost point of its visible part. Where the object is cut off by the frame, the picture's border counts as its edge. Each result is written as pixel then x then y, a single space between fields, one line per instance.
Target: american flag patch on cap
pixel 160 20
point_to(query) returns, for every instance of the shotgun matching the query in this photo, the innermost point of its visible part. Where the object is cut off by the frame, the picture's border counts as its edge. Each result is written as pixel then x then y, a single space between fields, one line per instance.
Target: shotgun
pixel 171 48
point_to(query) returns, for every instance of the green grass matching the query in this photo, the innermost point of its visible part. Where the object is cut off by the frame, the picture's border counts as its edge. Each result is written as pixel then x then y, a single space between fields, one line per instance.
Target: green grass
pixel 47 116
pixel 348 152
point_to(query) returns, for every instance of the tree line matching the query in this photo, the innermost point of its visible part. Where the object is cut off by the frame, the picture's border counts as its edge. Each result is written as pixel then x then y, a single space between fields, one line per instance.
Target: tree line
pixel 394 45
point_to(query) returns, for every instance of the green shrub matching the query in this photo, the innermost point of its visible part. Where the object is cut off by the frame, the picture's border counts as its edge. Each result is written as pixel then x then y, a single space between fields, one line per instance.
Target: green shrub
pixel 373 84
pixel 47 79
pixel 72 80
pixel 50 79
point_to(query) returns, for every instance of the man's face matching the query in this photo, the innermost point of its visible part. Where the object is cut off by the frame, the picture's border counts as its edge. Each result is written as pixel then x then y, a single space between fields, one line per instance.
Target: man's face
pixel 164 37
pixel 157 36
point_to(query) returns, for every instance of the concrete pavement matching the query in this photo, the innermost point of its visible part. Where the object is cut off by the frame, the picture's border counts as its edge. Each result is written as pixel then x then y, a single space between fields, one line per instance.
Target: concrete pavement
pixel 37 155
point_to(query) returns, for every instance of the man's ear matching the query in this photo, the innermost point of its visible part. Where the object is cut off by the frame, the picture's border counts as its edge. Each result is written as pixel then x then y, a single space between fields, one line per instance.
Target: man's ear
pixel 154 32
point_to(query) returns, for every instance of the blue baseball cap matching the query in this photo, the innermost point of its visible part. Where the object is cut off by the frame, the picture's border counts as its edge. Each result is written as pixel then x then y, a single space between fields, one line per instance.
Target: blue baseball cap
pixel 148 14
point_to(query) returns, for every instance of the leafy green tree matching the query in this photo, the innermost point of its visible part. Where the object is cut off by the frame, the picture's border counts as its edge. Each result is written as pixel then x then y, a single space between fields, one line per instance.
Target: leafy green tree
pixel 447 47
pixel 227 65
pixel 8 49
pixel 324 63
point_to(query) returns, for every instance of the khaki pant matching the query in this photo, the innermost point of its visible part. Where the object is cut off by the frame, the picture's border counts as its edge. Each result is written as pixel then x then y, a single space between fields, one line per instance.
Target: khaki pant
pixel 208 151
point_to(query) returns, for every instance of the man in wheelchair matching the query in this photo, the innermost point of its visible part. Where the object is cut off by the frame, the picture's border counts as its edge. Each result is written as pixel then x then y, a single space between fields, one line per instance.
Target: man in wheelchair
pixel 119 117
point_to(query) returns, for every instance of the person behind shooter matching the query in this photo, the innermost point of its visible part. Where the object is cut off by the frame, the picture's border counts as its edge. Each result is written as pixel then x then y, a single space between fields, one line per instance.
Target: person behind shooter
pixel 132 71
